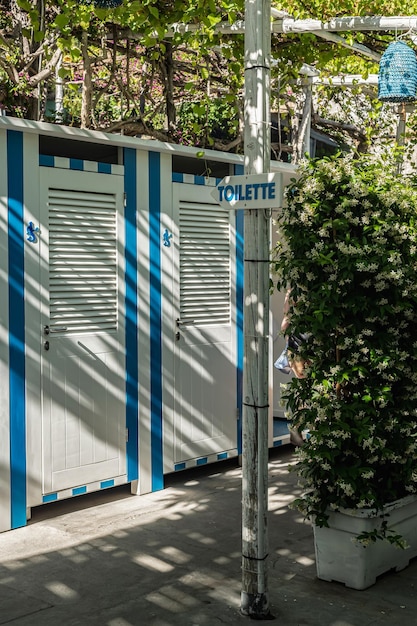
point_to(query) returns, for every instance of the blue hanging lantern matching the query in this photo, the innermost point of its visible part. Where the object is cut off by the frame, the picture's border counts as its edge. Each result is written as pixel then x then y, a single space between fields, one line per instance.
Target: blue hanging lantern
pixel 397 79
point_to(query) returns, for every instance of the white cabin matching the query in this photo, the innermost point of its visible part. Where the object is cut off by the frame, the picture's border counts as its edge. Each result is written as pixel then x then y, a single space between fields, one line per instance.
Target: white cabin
pixel 121 314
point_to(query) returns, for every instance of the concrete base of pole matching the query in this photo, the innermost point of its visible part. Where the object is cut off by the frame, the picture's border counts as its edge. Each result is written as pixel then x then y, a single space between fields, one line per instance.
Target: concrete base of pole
pixel 255 606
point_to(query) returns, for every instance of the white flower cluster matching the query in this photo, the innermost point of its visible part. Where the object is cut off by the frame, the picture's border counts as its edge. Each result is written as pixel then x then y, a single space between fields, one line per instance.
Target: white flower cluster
pixel 350 256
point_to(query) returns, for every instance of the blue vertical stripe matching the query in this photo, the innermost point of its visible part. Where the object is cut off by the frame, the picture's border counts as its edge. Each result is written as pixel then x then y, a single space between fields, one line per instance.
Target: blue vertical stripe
pixel 239 170
pixel 131 307
pixel 156 318
pixel 16 242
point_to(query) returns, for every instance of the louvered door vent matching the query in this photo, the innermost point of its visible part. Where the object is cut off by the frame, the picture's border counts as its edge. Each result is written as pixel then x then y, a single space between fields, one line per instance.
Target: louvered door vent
pixel 82 261
pixel 204 264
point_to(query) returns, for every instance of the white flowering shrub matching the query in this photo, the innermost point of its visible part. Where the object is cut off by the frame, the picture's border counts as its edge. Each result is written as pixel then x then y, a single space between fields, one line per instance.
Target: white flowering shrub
pixel 348 252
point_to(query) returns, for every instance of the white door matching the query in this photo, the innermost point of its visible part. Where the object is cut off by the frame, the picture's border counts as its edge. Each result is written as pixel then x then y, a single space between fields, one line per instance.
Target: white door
pixel 205 348
pixel 83 383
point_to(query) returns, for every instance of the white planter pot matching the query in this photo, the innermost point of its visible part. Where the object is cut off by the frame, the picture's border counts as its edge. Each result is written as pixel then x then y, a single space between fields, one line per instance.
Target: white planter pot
pixel 340 558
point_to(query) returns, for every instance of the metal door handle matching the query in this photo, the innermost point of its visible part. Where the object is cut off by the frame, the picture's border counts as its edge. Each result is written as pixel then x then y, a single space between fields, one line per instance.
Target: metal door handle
pixel 184 322
pixel 58 329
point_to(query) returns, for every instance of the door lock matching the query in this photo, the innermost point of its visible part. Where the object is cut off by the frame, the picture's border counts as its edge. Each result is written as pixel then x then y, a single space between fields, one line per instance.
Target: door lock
pixel 46 345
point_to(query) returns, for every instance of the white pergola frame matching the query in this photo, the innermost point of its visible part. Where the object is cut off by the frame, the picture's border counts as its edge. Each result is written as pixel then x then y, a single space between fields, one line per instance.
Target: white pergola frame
pixel 283 23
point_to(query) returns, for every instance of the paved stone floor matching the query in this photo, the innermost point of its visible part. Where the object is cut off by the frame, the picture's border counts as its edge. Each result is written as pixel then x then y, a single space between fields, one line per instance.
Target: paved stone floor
pixel 173 558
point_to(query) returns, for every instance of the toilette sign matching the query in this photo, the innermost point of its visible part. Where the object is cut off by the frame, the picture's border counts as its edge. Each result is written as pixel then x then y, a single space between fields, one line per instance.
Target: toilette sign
pixel 258 191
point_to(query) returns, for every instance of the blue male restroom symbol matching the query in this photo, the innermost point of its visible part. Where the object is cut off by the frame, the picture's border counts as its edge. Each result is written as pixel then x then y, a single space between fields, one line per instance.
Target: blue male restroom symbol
pixel 166 237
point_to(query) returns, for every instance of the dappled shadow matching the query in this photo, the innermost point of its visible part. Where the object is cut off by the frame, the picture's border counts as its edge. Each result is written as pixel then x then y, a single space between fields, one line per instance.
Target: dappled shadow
pixel 173 557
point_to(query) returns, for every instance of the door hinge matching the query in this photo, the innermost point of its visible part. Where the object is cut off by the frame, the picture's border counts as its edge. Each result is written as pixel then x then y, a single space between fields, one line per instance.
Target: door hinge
pixel 237 413
pixel 124 199
pixel 127 434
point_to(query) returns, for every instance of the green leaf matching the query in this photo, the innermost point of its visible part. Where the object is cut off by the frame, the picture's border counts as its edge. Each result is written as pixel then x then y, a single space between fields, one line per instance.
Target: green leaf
pixel 62 20
pixel 38 36
pixel 24 5
pixel 153 11
pixel 199 109
pixel 63 73
pixel 236 68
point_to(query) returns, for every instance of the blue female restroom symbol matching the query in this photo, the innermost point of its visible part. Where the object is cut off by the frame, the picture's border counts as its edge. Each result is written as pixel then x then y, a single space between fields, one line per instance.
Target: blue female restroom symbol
pixel 31 231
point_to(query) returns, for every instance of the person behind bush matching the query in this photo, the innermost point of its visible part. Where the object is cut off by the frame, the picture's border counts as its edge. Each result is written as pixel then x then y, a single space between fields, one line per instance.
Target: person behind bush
pixel 297 363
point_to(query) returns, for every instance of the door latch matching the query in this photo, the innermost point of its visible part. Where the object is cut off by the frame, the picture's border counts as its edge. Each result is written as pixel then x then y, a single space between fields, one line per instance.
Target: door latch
pixel 47 330
pixel 181 322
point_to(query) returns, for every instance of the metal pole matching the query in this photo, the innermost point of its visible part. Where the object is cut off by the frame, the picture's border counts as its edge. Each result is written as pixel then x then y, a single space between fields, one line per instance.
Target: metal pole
pixel 305 129
pixel 254 596
pixel 400 138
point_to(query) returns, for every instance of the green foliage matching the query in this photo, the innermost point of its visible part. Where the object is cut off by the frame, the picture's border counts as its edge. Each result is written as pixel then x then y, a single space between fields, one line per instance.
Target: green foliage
pixel 348 253
pixel 208 60
pixel 200 123
pixel 382 532
pixel 326 10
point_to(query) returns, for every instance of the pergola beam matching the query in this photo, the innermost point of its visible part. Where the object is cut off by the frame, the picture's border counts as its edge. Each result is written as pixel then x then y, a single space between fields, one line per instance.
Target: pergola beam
pixel 356 47
pixel 349 80
pixel 345 24
pixel 292 25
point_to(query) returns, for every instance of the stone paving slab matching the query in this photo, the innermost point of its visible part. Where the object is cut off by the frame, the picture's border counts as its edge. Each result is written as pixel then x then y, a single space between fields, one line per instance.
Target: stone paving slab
pixel 173 558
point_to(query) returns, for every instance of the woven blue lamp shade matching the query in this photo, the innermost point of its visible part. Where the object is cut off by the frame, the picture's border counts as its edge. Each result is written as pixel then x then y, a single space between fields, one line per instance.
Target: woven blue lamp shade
pixel 397 79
